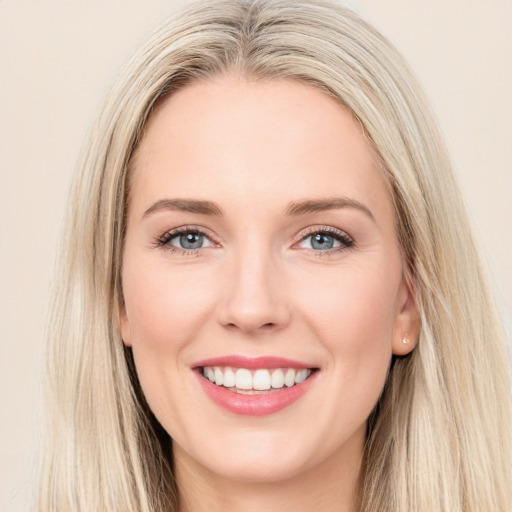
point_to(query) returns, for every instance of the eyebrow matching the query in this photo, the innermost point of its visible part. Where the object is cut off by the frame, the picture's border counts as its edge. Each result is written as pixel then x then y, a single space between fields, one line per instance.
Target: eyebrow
pixel 333 203
pixel 186 205
pixel 294 208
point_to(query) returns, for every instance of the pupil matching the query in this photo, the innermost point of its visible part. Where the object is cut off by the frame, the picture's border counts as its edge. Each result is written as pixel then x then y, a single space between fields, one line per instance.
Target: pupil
pixel 322 241
pixel 191 241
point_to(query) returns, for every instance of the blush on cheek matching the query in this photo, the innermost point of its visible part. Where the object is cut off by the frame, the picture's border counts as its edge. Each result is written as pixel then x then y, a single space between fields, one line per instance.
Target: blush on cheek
pixel 163 310
pixel 164 314
pixel 352 307
pixel 356 314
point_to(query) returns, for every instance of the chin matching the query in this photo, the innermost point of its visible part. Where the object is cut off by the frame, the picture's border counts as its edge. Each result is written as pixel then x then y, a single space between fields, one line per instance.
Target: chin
pixel 258 456
pixel 257 467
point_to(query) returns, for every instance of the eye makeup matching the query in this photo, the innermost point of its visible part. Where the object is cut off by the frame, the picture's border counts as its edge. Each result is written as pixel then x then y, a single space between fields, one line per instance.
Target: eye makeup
pixel 318 240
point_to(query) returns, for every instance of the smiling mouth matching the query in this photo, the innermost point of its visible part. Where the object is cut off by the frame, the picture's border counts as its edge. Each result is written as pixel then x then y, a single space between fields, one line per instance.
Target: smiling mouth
pixel 255 381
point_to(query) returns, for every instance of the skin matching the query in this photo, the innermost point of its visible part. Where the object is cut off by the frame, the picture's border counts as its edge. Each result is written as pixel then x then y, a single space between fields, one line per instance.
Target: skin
pixel 258 287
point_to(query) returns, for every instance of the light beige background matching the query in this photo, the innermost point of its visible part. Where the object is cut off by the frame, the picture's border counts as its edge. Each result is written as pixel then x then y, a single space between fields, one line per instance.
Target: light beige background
pixel 56 61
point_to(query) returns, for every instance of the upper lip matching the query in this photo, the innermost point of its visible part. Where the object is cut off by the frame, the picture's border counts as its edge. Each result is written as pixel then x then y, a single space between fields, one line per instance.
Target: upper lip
pixel 241 361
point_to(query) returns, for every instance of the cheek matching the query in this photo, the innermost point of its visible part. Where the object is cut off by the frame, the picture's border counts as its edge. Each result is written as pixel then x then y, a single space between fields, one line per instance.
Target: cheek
pixel 164 305
pixel 165 310
pixel 354 305
pixel 353 314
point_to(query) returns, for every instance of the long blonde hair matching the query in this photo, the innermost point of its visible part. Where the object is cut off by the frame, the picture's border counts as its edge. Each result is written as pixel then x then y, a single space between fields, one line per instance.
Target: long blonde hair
pixel 439 438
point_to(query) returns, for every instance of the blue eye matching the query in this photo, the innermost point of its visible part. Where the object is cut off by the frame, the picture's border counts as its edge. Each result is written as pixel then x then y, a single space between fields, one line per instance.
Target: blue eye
pixel 185 240
pixel 322 241
pixel 188 240
pixel 326 241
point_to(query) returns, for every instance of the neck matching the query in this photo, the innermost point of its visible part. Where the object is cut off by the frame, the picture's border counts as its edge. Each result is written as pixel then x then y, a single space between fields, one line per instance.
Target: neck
pixel 330 485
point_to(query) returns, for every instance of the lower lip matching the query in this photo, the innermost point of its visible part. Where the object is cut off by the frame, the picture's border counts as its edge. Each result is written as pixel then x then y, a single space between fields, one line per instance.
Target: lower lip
pixel 255 405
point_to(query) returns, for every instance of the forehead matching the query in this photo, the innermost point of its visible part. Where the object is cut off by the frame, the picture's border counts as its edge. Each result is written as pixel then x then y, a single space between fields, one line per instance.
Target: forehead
pixel 277 140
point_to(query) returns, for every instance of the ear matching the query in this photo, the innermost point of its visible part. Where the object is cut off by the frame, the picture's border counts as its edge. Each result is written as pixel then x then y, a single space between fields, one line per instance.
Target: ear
pixel 407 321
pixel 124 326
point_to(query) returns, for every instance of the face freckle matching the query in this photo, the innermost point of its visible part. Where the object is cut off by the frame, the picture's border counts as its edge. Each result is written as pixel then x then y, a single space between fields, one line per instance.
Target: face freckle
pixel 259 226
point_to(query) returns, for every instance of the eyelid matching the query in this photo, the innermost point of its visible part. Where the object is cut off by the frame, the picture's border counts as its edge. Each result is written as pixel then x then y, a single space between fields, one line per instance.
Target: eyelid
pixel 324 229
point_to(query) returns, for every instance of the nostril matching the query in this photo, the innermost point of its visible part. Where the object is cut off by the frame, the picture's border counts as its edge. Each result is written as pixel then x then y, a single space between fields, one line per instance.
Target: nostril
pixel 268 325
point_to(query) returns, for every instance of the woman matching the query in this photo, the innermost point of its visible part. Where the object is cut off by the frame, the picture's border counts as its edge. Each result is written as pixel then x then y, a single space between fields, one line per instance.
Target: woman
pixel 270 296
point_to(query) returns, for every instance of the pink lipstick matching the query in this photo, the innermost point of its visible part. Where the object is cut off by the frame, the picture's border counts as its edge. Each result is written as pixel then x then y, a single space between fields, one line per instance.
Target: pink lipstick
pixel 254 386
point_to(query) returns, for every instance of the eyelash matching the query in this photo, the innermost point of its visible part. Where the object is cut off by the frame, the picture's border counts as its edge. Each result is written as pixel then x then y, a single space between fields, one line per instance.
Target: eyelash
pixel 164 240
pixel 345 240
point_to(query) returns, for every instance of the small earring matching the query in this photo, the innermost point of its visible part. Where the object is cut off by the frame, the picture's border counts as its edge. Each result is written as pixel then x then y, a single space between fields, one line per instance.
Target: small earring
pixel 405 340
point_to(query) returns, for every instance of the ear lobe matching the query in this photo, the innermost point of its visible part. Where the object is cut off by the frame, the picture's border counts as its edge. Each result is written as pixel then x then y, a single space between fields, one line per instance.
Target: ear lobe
pixel 407 322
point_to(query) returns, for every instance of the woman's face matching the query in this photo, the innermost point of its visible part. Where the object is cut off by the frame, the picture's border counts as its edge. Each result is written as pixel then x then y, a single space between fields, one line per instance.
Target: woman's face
pixel 261 251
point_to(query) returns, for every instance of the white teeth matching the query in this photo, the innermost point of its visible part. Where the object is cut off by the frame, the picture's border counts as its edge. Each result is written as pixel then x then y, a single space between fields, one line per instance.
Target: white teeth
pixel 242 379
pixel 229 378
pixel 261 380
pixel 219 376
pixel 289 378
pixel 277 378
pixel 299 377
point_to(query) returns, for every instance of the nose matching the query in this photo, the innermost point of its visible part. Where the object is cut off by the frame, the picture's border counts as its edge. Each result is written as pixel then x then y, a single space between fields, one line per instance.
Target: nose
pixel 255 298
